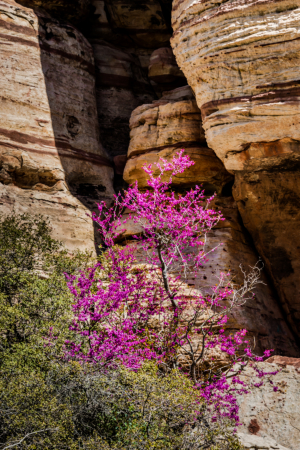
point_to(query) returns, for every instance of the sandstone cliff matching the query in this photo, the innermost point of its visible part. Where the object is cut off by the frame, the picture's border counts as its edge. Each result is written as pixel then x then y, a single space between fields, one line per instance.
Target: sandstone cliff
pixel 242 59
pixel 159 130
pixel 51 159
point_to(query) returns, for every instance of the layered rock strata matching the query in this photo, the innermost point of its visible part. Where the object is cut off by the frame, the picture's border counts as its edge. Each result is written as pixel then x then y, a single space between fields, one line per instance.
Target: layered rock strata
pixel 50 152
pixel 242 59
pixel 164 71
pixel 121 86
pixel 133 23
pixel 267 414
pixel 74 11
pixel 159 130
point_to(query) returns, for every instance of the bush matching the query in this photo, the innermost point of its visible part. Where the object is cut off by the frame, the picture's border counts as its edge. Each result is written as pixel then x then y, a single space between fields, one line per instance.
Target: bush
pixel 51 403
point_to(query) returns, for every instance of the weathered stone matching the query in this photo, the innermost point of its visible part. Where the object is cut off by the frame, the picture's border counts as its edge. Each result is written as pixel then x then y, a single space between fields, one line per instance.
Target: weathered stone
pixel 265 413
pixel 121 86
pixel 161 129
pixel 49 140
pixel 261 315
pixel 131 23
pixel 163 69
pixel 74 11
pixel 242 60
pixel 259 443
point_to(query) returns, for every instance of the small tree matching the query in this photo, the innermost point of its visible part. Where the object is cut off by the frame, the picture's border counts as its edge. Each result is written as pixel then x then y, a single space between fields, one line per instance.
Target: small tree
pixel 127 311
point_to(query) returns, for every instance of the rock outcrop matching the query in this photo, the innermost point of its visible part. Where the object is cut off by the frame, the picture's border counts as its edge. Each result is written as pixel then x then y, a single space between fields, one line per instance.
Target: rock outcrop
pixel 50 152
pixel 267 414
pixel 159 130
pixel 164 71
pixel 134 23
pixel 242 59
pixel 163 128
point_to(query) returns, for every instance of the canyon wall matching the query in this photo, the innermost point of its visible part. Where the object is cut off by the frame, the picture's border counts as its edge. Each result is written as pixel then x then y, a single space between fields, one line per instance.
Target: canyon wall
pixel 51 158
pixel 162 128
pixel 242 61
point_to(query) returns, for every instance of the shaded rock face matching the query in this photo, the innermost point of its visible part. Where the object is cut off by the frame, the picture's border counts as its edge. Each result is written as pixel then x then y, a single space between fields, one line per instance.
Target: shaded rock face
pixel 71 10
pixel 50 152
pixel 121 86
pixel 163 69
pixel 133 23
pixel 267 414
pixel 124 35
pixel 242 61
pixel 161 129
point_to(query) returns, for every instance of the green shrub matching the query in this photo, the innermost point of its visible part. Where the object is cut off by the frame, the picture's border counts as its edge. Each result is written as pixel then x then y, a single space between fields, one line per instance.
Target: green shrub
pixel 50 403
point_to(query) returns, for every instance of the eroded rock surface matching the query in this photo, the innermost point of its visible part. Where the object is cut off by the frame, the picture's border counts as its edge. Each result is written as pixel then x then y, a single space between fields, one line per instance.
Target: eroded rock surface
pixel 163 128
pixel 164 71
pixel 242 61
pixel 133 23
pixel 121 86
pixel 74 11
pixel 49 138
pixel 267 414
pixel 159 130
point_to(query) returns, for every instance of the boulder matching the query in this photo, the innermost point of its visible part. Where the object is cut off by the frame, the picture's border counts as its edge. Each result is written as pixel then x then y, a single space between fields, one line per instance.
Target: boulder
pixel 49 135
pixel 241 60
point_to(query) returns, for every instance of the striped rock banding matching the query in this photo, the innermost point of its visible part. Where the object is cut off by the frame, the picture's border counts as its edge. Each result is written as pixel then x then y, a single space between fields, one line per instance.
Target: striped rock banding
pixel 161 129
pixel 49 137
pixel 242 59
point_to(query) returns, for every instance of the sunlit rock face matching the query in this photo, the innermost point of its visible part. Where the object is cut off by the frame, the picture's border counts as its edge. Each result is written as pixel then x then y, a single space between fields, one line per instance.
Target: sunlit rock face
pixel 242 61
pixel 161 129
pixel 50 152
pixel 267 415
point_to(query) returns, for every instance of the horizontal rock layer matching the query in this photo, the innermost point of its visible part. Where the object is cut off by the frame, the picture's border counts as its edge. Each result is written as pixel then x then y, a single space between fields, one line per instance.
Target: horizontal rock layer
pixel 163 128
pixel 242 59
pixel 121 86
pixel 49 136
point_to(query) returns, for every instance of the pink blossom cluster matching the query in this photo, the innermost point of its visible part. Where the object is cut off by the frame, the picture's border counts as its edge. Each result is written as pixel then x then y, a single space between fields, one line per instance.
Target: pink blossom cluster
pixel 131 312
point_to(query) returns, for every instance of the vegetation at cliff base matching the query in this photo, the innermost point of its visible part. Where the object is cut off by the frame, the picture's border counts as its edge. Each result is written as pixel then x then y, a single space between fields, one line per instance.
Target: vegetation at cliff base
pixel 114 353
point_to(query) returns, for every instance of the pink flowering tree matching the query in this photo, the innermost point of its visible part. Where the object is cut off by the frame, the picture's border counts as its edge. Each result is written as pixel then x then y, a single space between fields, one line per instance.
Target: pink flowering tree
pixel 136 303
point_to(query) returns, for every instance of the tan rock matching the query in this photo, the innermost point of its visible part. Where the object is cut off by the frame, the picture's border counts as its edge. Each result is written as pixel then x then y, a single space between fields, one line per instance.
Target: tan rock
pixel 242 60
pixel 267 414
pixel 261 316
pixel 164 127
pixel 49 138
